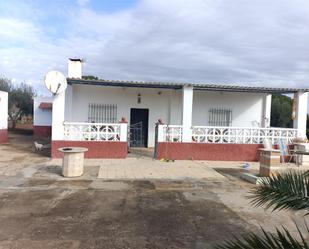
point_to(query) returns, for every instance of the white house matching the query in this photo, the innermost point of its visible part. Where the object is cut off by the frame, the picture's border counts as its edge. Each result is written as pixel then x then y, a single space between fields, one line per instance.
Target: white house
pixel 42 117
pixel 198 121
pixel 3 117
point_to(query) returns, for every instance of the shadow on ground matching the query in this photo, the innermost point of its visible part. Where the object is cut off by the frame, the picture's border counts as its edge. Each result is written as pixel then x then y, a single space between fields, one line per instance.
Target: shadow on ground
pixel 139 214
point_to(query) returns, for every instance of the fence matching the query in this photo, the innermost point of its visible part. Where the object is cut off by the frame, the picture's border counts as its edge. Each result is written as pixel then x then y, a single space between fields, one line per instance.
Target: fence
pixel 222 134
pixel 76 131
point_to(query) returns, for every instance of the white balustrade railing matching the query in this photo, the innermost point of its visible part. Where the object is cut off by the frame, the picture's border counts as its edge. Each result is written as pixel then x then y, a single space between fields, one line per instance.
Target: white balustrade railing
pixel 235 135
pixel 241 135
pixel 76 131
pixel 171 133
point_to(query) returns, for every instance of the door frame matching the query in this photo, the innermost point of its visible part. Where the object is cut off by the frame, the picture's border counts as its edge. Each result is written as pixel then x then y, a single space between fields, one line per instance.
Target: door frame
pixel 145 127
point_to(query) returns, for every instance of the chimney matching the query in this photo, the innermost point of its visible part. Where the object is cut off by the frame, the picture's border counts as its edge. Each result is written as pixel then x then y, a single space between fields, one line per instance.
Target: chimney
pixel 75 68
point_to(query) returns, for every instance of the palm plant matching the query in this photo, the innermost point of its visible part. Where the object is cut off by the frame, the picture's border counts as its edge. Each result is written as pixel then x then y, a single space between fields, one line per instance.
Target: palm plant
pixel 283 191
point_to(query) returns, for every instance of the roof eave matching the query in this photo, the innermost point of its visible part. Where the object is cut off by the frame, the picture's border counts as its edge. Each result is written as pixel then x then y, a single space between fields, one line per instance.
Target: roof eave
pixel 201 87
pixel 122 84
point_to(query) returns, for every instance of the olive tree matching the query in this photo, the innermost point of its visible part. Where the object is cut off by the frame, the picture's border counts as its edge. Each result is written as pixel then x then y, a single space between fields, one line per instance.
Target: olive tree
pixel 20 99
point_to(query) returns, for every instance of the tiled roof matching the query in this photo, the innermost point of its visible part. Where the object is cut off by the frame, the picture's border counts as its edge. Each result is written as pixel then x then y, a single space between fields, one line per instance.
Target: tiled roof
pixel 196 86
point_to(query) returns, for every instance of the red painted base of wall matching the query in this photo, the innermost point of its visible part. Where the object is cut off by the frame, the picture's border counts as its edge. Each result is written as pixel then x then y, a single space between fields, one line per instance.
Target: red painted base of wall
pixel 208 151
pixel 4 136
pixel 96 149
pixel 41 131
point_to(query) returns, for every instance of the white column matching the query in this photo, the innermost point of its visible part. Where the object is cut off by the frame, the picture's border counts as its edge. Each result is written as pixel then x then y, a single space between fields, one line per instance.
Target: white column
pixel 58 116
pixel 300 120
pixel 187 103
pixel 266 110
pixel 170 99
pixel 3 110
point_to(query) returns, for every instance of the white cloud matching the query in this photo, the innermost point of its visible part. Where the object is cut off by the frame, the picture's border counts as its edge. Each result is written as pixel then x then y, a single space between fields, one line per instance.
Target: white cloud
pixel 17 30
pixel 248 42
pixel 83 2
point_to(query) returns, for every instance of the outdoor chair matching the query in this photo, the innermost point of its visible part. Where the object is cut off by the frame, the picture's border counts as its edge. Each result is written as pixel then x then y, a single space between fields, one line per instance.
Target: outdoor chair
pixel 285 151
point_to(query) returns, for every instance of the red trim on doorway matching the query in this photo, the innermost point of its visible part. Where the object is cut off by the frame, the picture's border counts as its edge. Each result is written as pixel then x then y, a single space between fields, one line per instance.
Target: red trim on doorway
pixel 4 136
pixel 42 131
pixel 208 151
pixel 96 149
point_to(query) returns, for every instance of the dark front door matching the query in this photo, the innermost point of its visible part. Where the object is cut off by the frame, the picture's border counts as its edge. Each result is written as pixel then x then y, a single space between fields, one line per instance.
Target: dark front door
pixel 139 127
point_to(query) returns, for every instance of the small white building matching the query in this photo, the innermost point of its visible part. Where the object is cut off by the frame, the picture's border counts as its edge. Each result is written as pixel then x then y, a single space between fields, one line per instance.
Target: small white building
pixel 3 117
pixel 198 121
pixel 42 117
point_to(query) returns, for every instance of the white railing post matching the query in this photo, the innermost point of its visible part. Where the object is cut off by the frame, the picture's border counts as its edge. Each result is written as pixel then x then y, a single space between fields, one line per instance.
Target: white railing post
pixel 161 133
pixel 123 130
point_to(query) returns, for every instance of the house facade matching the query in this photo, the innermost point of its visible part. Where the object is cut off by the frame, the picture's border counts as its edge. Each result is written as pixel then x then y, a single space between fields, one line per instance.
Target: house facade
pixel 196 121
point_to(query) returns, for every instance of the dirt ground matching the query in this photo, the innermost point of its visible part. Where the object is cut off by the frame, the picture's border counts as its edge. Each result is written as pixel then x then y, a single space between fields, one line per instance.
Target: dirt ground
pixel 40 210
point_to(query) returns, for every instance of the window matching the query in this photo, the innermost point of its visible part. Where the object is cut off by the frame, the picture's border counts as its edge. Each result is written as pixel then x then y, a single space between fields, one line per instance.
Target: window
pixel 220 117
pixel 102 113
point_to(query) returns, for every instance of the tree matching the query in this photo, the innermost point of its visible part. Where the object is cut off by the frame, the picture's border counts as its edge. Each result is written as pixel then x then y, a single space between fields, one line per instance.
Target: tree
pixel 5 85
pixel 281 111
pixel 20 99
pixel 89 77
pixel 284 191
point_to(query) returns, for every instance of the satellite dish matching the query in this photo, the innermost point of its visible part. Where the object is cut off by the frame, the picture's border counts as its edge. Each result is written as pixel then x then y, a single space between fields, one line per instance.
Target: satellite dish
pixel 55 82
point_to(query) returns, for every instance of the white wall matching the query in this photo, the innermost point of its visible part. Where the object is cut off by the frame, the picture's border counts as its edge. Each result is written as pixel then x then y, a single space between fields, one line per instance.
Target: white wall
pixel 41 117
pixel 3 110
pixel 125 98
pixel 247 107
pixel 175 113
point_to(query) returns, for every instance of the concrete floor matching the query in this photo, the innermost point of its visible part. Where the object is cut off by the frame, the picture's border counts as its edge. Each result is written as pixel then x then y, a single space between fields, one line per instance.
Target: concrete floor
pixel 41 209
pixel 147 168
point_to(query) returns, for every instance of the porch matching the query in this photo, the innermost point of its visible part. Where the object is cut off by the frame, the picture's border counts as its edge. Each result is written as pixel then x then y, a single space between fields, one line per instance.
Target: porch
pixel 202 121
pixel 207 142
pixel 217 143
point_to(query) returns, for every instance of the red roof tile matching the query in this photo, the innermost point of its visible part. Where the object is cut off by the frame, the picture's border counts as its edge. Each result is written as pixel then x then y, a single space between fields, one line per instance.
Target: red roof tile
pixel 46 106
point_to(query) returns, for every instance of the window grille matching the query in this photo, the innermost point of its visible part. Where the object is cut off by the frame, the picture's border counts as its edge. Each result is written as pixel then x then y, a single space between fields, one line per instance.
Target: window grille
pixel 220 117
pixel 102 113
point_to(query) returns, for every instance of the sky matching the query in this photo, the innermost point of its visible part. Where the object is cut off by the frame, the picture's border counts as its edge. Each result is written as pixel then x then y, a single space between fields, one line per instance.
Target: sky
pixel 256 42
